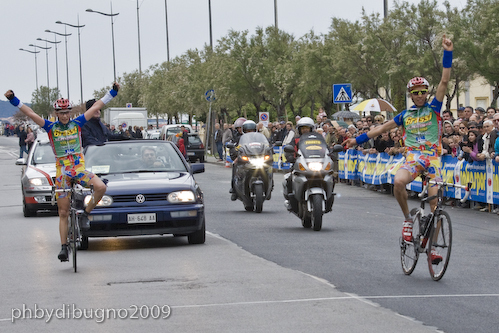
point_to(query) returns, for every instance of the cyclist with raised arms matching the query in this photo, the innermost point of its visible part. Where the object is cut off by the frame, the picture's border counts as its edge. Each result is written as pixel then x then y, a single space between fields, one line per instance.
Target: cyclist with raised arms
pixel 422 135
pixel 65 139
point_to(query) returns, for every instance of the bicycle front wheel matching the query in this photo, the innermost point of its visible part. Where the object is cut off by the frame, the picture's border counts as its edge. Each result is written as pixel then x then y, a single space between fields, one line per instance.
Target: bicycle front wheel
pixel 74 237
pixel 409 253
pixel 440 243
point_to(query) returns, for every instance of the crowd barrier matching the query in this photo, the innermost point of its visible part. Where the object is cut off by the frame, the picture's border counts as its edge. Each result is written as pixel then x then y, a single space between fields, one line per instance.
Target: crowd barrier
pixel 377 169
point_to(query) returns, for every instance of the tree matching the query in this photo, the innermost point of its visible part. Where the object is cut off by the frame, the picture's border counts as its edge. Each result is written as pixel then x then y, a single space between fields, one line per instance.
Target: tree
pixel 42 100
pixel 481 30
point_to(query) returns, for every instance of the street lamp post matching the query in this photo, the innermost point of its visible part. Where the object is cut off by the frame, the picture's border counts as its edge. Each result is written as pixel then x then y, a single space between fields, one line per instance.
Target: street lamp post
pixel 112 32
pixel 167 41
pixel 47 59
pixel 78 26
pixel 36 69
pixel 138 34
pixel 65 35
pixel 56 60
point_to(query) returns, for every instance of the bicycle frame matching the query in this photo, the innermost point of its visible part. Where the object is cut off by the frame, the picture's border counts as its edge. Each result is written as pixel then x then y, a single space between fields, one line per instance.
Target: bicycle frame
pixel 74 237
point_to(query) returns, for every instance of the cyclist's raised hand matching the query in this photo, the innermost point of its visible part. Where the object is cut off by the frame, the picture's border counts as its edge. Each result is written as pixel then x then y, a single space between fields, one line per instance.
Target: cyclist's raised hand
pixel 447 44
pixel 9 94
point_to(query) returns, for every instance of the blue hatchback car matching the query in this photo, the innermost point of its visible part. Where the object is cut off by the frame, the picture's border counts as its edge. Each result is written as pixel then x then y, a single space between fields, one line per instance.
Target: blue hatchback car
pixel 150 191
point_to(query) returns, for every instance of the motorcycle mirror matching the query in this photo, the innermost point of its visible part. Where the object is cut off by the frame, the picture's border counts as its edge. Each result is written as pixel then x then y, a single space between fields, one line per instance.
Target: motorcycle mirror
pixel 278 143
pixel 230 145
pixel 289 149
pixel 337 148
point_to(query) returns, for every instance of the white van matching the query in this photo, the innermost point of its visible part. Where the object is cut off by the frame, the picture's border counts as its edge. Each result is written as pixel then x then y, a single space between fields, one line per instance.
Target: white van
pixel 169 130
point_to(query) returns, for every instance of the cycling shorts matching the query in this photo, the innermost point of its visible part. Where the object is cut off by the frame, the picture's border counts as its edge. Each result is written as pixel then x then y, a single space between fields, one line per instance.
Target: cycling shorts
pixel 66 170
pixel 417 162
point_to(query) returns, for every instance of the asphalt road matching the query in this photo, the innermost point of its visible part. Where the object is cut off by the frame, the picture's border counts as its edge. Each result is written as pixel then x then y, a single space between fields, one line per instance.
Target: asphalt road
pixel 357 251
pixel 256 272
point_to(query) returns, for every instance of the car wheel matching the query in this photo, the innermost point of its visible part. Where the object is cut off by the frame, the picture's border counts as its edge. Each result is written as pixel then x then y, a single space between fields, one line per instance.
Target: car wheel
pixel 198 237
pixel 28 212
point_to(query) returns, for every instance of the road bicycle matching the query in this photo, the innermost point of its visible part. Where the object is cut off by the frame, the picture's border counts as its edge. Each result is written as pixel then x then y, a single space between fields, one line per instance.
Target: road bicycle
pixel 76 196
pixel 431 232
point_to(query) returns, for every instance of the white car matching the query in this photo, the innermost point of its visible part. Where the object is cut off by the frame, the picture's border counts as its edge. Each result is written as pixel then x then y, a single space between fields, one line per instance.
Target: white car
pixel 38 177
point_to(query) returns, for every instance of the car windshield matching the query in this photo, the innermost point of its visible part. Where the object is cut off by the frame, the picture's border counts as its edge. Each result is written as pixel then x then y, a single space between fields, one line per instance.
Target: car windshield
pixel 43 154
pixel 253 137
pixel 130 156
pixel 312 145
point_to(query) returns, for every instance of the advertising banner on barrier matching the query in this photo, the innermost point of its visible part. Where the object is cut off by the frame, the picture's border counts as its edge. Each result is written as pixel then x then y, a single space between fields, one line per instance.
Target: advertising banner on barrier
pixel 381 168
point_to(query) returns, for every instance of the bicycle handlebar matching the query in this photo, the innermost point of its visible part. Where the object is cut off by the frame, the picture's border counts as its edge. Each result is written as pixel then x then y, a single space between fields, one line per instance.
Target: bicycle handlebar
pixel 78 188
pixel 467 188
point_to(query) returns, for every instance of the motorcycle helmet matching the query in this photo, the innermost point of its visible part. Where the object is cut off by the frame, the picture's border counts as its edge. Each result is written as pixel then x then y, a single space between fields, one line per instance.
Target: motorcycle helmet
pixel 239 122
pixel 417 81
pixel 249 126
pixel 305 121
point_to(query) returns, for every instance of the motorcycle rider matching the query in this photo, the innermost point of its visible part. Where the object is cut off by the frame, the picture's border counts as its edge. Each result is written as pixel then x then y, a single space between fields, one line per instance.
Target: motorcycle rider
pixel 241 129
pixel 304 125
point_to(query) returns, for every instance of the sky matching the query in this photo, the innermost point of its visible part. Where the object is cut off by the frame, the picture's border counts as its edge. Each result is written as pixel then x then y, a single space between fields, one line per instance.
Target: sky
pixel 23 21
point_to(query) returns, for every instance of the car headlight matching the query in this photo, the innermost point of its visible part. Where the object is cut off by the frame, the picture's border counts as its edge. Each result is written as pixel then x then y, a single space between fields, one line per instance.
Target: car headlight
pixel 181 196
pixel 38 181
pixel 105 201
pixel 315 166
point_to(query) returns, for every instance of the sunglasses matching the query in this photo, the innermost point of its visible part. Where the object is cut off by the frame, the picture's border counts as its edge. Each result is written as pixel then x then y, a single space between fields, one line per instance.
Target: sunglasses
pixel 462 127
pixel 419 92
pixel 472 127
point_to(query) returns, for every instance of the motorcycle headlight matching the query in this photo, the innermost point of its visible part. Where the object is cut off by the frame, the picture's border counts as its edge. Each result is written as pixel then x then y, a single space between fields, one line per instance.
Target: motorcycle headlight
pixel 315 166
pixel 181 196
pixel 245 158
pixel 258 162
pixel 104 202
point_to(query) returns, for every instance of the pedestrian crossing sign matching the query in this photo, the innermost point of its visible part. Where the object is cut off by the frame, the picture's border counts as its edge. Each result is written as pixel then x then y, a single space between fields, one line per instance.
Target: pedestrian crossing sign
pixel 342 93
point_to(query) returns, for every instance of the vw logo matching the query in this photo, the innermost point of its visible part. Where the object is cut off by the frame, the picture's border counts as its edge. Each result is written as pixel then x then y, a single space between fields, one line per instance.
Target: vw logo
pixel 140 198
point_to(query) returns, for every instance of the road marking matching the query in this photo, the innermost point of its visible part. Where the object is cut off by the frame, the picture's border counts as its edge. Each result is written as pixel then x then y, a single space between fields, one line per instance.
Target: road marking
pixel 303 300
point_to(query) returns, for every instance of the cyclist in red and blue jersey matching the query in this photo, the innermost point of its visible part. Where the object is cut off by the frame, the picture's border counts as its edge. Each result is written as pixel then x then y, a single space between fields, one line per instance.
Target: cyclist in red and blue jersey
pixel 65 139
pixel 422 135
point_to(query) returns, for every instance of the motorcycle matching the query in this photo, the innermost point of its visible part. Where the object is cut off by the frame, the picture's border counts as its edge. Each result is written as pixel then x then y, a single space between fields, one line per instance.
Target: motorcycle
pixel 309 193
pixel 253 178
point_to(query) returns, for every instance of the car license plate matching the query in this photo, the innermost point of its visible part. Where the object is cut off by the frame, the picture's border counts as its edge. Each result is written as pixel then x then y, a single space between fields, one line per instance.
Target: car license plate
pixel 142 218
pixel 190 153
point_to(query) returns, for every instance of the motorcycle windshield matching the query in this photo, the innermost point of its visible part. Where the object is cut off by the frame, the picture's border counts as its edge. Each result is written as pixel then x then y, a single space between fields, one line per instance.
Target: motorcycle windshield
pixel 253 137
pixel 312 145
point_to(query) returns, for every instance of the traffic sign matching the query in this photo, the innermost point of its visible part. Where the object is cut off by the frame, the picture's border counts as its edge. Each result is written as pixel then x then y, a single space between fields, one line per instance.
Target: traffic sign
pixel 210 95
pixel 264 118
pixel 128 105
pixel 342 93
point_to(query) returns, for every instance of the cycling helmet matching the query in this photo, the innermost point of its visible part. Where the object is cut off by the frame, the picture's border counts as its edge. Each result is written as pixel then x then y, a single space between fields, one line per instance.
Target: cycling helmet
pixel 249 126
pixel 62 104
pixel 417 81
pixel 239 122
pixel 305 121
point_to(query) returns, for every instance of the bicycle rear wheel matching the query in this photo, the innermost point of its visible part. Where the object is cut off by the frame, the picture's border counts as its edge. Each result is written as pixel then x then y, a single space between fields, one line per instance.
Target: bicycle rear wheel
pixel 441 241
pixel 409 253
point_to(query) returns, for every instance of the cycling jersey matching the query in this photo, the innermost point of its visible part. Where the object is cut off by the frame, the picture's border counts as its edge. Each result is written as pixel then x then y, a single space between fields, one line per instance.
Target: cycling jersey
pixel 66 139
pixel 66 144
pixel 422 127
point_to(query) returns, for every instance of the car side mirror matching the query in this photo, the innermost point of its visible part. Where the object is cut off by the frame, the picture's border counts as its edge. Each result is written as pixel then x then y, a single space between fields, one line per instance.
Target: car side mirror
pixel 21 161
pixel 197 168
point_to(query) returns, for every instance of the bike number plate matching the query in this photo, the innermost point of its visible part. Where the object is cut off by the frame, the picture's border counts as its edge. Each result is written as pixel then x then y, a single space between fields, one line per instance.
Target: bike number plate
pixel 142 218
